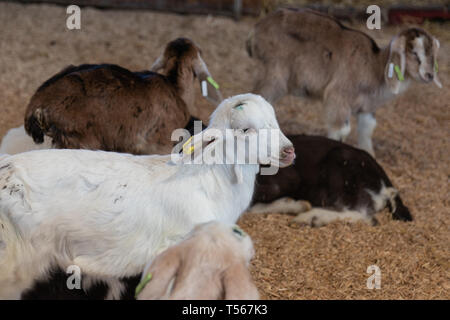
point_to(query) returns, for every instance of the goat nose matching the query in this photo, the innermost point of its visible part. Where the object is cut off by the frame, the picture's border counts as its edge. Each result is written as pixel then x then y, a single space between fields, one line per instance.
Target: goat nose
pixel 429 76
pixel 289 152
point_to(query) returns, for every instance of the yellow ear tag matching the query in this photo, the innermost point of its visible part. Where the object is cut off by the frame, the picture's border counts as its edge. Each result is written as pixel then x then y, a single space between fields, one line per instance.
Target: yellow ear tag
pixel 188 149
pixel 435 66
pixel 142 284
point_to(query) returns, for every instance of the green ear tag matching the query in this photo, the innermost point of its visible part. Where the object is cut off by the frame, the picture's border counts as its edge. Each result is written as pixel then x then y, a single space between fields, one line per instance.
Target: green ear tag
pixel 239 231
pixel 435 66
pixel 399 73
pixel 213 83
pixel 142 284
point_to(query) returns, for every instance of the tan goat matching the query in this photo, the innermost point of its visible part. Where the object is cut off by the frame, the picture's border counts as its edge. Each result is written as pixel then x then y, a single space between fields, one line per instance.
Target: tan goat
pixel 306 53
pixel 209 264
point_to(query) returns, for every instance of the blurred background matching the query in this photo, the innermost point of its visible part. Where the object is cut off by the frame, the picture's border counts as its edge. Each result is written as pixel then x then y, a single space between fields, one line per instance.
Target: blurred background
pixel 392 9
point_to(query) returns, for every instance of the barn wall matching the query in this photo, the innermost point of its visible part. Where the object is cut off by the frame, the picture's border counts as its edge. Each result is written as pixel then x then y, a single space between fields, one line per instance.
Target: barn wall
pixel 227 7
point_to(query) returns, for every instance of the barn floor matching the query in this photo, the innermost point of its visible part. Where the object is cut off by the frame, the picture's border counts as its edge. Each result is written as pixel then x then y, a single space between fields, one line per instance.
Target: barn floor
pixel 412 142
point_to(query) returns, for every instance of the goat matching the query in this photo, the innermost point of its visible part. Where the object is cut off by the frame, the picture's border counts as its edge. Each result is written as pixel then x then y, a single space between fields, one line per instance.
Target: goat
pixel 306 53
pixel 211 263
pixel 107 107
pixel 16 141
pixel 341 181
pixel 219 251
pixel 54 287
pixel 110 213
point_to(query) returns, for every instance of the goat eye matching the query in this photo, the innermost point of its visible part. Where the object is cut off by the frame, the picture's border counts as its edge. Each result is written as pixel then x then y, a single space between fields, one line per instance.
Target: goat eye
pixel 239 106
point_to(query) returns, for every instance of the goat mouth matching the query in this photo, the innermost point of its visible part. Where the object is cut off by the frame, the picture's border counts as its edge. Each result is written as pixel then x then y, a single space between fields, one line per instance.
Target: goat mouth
pixel 288 160
pixel 209 142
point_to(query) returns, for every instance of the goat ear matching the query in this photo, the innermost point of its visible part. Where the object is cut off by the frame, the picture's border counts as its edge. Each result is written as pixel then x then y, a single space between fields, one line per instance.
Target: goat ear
pixel 209 87
pixel 163 272
pixel 436 46
pixel 238 285
pixel 395 68
pixel 199 144
pixel 159 63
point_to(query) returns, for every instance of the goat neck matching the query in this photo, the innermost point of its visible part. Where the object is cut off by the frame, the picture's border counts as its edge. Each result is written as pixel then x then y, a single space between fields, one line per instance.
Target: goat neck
pixel 220 185
pixel 183 78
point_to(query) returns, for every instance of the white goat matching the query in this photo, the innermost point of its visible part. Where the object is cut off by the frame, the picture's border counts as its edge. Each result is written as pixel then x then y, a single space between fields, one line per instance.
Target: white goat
pixel 16 141
pixel 211 263
pixel 111 213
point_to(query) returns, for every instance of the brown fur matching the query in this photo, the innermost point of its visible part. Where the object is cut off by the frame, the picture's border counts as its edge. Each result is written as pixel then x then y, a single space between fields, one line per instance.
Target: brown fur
pixel 210 264
pixel 110 108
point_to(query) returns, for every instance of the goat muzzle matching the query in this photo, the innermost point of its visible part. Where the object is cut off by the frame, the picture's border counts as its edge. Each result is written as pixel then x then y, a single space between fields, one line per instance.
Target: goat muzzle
pixel 288 155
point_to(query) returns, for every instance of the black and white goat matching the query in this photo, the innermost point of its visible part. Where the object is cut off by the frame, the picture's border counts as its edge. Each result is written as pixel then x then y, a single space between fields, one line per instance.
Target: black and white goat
pixel 338 180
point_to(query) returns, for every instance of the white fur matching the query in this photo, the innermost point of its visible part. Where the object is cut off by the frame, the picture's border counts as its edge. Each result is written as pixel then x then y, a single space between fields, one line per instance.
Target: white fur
pixel 284 205
pixel 16 141
pixel 340 134
pixel 420 50
pixel 318 217
pixel 111 213
pixel 381 198
pixel 366 125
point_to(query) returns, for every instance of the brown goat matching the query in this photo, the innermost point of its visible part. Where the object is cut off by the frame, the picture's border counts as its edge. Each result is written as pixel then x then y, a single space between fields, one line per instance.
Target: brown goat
pixel 306 53
pixel 110 108
pixel 209 264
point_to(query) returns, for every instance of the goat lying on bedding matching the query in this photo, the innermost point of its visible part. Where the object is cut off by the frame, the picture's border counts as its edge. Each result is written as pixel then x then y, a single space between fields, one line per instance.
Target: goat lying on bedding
pixel 340 181
pixel 211 263
pixel 107 107
pixel 111 213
